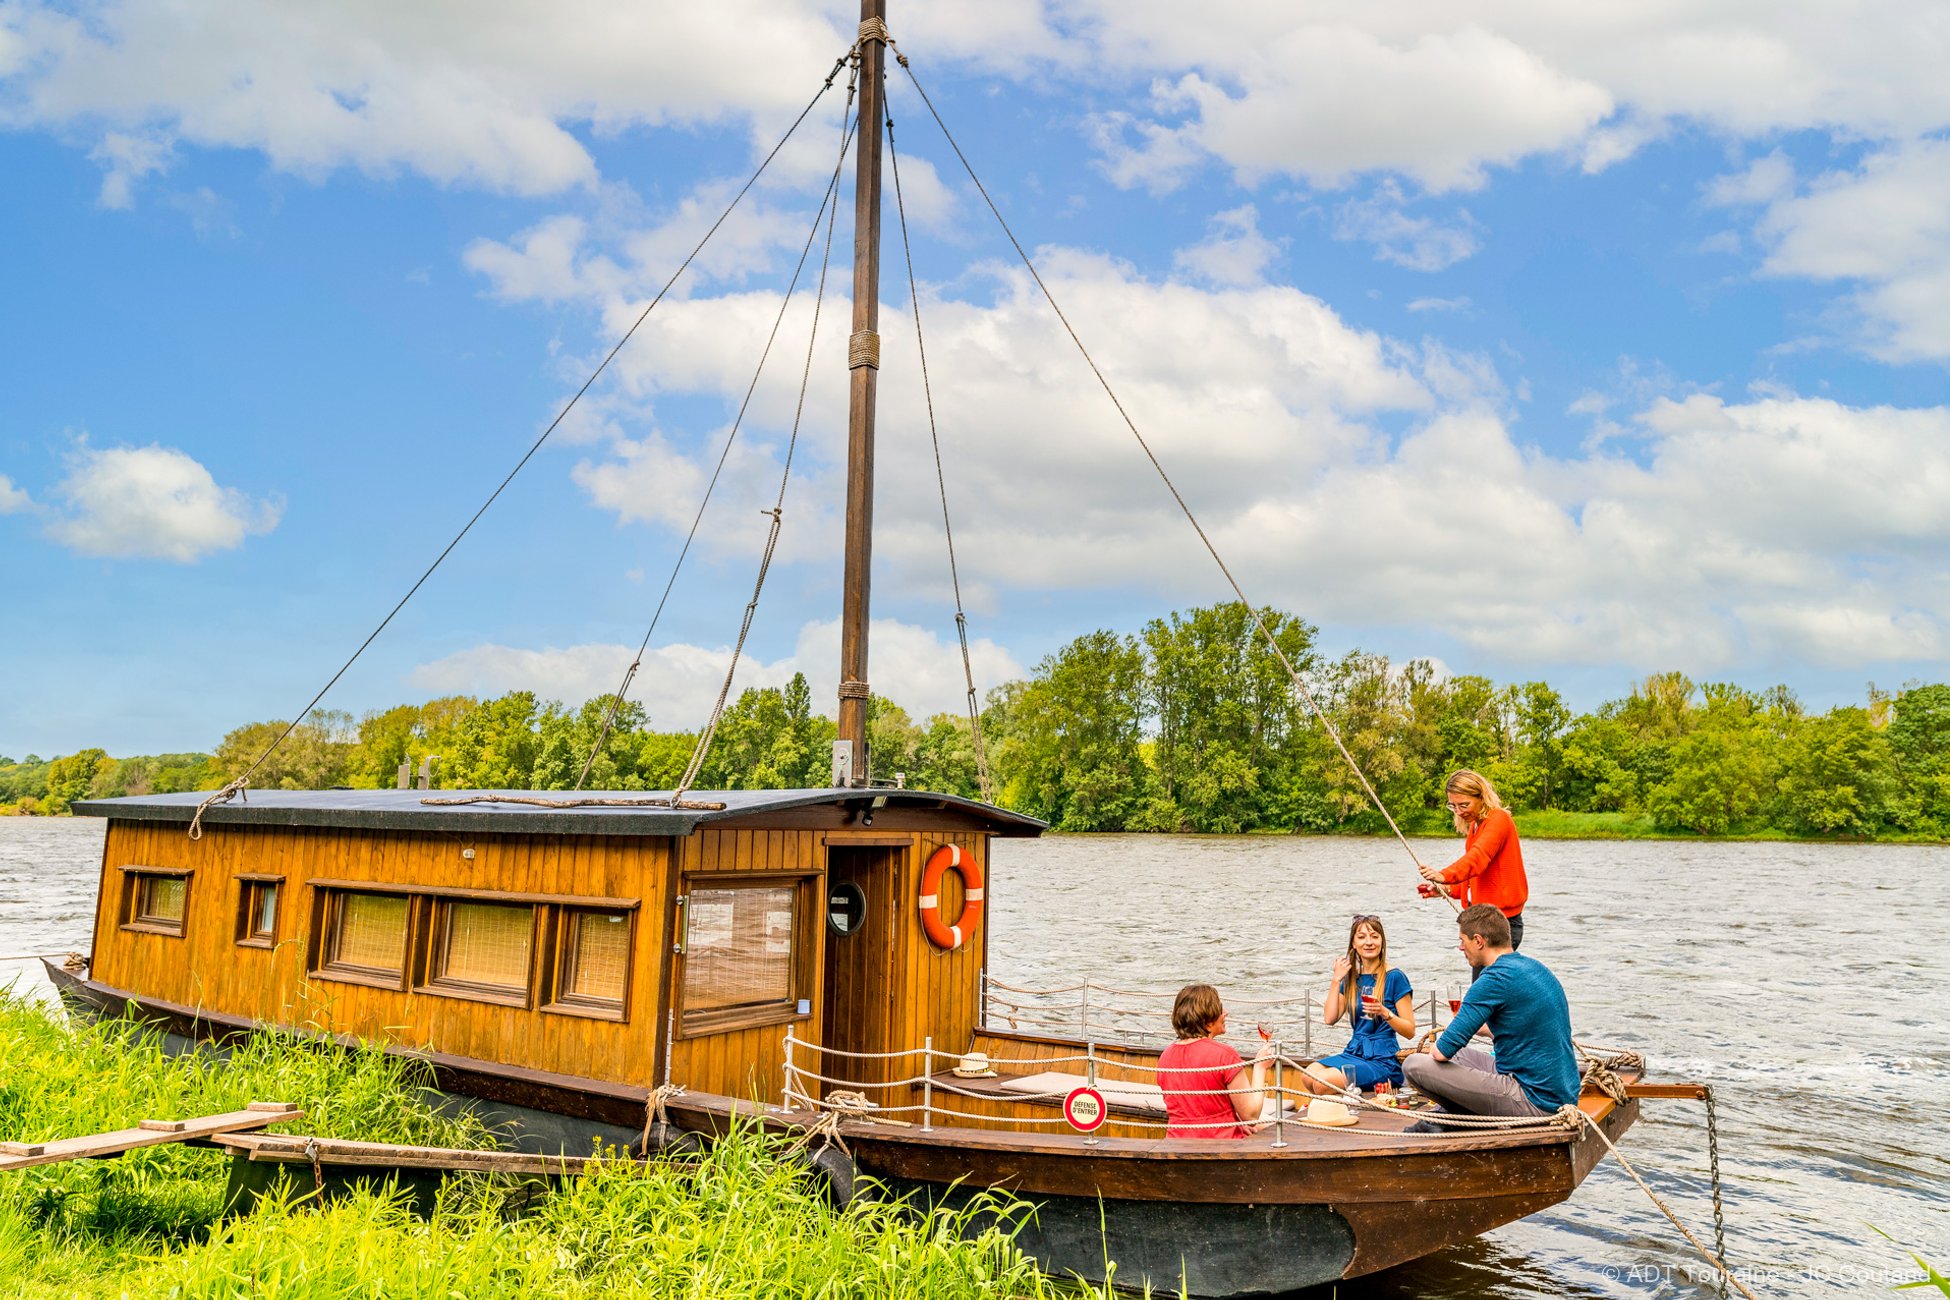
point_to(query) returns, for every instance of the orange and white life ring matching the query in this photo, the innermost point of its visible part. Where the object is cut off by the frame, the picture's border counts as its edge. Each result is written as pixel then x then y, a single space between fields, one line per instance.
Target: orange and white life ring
pixel 945 859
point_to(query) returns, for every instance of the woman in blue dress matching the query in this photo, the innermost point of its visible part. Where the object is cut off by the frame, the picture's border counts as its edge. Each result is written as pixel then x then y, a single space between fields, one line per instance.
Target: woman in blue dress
pixel 1379 1001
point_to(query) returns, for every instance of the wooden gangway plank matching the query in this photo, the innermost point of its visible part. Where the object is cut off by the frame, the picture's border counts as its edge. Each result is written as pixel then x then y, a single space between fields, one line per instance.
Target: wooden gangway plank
pixel 149 1133
pixel 299 1148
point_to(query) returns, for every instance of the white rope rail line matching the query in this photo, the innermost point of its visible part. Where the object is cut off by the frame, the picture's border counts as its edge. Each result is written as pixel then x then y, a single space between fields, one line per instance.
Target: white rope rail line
pixel 1164 995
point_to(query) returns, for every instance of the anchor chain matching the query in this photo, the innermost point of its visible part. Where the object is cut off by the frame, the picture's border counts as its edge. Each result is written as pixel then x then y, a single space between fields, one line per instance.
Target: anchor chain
pixel 1713 1165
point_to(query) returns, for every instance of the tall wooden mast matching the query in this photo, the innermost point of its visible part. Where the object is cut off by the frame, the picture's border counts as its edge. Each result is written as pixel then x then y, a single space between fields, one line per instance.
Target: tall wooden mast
pixel 863 361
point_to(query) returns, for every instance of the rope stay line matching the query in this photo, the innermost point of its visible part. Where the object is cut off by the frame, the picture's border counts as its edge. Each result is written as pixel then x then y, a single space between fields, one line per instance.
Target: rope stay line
pixel 940 476
pixel 849 129
pixel 629 674
pixel 239 785
pixel 1252 609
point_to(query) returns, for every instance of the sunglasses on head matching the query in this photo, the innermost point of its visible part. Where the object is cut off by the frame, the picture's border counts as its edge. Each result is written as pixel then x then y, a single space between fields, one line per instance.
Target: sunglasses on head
pixel 1365 916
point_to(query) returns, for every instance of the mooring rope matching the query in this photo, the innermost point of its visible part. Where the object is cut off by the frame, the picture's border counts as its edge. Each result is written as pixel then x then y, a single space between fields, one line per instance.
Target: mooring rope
pixel 848 129
pixel 636 664
pixel 1252 610
pixel 238 785
pixel 940 476
pixel 1715 1259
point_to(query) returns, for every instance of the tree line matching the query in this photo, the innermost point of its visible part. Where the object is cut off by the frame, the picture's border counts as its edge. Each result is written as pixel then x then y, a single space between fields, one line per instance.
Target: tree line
pixel 1191 724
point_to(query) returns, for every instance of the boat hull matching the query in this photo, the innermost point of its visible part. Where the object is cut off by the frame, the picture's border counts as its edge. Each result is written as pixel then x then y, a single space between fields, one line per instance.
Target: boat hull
pixel 1202 1218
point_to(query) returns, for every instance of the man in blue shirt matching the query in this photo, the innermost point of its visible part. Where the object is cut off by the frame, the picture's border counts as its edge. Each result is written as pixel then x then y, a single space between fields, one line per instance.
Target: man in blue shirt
pixel 1535 1069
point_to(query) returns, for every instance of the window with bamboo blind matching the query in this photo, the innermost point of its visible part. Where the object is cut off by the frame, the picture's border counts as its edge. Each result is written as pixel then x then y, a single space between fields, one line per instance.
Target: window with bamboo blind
pixel 363 938
pixel 592 962
pixel 482 950
pixel 155 901
pixel 740 946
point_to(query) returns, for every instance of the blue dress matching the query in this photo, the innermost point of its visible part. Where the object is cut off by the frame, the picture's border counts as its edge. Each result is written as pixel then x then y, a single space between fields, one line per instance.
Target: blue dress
pixel 1370 1054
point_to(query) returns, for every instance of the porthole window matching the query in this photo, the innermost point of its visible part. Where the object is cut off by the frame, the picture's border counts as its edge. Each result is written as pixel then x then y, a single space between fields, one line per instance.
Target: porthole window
pixel 846 907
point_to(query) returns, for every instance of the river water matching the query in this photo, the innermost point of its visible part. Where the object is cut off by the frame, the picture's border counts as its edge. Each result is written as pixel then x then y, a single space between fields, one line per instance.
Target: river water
pixel 1805 983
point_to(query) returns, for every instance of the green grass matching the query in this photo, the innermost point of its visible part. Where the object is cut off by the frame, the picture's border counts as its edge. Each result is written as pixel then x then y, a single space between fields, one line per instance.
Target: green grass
pixel 739 1222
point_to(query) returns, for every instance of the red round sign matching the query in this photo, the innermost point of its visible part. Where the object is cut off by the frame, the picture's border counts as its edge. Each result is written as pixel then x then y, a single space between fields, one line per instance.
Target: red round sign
pixel 1084 1108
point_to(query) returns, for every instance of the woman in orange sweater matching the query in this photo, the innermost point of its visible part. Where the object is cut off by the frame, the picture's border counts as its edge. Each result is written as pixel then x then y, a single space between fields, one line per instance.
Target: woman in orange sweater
pixel 1491 867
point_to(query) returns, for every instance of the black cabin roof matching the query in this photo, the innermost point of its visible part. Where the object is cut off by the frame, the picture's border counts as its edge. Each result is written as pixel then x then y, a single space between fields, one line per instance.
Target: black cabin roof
pixel 405 810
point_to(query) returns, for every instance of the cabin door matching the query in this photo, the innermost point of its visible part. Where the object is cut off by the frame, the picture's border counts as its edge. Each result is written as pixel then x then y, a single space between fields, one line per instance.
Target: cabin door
pixel 862 900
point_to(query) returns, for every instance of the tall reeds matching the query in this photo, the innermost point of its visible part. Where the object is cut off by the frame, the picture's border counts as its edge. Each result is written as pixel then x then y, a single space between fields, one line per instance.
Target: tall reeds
pixel 737 1222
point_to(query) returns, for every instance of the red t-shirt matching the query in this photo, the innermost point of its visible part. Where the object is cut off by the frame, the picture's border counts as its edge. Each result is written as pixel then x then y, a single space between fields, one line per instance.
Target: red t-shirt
pixel 1193 1072
pixel 1491 867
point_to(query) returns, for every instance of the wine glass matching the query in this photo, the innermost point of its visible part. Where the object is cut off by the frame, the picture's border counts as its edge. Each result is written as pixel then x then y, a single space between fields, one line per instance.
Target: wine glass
pixel 1454 993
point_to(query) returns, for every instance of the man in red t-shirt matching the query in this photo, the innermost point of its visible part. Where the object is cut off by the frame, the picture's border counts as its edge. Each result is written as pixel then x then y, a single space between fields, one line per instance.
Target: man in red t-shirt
pixel 1197 1072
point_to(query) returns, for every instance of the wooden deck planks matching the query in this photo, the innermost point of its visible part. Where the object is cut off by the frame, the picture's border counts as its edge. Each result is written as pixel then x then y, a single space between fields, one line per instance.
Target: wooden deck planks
pixel 149 1133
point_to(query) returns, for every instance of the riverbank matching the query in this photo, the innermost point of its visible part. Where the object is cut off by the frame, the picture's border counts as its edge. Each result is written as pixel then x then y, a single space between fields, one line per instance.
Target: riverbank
pixel 739 1222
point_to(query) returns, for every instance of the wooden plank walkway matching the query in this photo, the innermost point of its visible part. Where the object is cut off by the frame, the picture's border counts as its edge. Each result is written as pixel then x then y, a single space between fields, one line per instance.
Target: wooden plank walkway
pixel 149 1133
pixel 332 1153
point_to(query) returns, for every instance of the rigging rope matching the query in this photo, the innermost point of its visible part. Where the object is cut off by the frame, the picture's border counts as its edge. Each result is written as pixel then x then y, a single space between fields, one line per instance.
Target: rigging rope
pixel 848 128
pixel 629 674
pixel 940 478
pixel 237 786
pixel 1252 610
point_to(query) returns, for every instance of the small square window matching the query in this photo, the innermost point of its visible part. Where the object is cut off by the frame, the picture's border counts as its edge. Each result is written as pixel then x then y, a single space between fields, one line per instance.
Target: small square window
pixel 364 937
pixel 156 902
pixel 257 913
pixel 592 962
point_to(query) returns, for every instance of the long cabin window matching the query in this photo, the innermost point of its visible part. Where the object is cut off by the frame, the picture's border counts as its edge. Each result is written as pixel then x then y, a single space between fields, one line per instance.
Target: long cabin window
pixel 592 966
pixel 482 949
pixel 364 936
pixel 156 902
pixel 739 946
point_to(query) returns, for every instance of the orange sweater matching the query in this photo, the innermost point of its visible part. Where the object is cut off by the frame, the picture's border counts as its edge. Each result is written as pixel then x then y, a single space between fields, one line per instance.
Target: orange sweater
pixel 1491 867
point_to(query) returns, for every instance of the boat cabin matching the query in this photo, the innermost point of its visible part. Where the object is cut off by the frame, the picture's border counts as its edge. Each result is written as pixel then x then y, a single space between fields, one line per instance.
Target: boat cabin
pixel 625 945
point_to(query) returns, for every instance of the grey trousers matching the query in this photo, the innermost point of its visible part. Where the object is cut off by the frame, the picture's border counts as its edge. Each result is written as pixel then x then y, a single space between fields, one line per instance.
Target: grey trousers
pixel 1468 1083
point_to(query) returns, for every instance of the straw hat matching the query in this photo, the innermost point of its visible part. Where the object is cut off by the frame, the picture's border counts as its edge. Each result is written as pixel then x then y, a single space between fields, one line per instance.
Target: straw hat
pixel 1328 1114
pixel 975 1065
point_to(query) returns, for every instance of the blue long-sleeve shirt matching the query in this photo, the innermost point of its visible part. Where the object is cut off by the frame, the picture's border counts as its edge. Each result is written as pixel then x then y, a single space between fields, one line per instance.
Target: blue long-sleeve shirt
pixel 1526 1010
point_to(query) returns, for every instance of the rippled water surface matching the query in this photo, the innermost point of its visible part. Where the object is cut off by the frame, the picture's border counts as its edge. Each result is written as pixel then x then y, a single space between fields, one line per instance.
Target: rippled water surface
pixel 1807 983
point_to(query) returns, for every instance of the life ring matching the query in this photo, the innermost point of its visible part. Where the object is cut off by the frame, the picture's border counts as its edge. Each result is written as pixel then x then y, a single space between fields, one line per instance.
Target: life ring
pixel 945 859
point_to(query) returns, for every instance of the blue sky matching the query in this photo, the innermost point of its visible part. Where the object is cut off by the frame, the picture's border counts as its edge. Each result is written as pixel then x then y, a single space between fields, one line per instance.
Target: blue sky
pixel 1548 342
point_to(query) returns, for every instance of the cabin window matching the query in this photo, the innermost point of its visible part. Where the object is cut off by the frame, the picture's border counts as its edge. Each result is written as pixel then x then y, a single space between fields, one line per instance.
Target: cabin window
pixel 481 950
pixel 156 901
pixel 740 942
pixel 257 912
pixel 364 937
pixel 592 962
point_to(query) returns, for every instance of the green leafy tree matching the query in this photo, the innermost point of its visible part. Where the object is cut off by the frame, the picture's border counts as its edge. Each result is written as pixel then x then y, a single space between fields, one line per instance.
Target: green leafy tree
pixel 69 777
pixel 1230 730
pixel 1839 777
pixel 1073 746
pixel 1919 741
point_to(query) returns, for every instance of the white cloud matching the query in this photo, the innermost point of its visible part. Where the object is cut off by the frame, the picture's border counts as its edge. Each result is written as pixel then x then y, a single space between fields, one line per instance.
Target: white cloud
pixel 1439 304
pixel 915 667
pixel 1418 243
pixel 1233 253
pixel 126 159
pixel 12 499
pixel 152 502
pixel 462 93
pixel 1438 92
pixel 1884 226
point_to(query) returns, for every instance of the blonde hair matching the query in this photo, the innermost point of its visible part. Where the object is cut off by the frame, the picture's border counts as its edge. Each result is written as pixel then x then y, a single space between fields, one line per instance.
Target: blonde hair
pixel 1472 785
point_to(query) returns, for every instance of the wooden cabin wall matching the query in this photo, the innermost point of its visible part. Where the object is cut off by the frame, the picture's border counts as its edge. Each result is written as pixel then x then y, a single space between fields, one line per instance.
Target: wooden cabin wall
pixel 930 992
pixel 207 969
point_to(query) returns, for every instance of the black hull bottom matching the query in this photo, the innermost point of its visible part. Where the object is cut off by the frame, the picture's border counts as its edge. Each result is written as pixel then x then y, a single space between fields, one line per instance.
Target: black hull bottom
pixel 1172 1247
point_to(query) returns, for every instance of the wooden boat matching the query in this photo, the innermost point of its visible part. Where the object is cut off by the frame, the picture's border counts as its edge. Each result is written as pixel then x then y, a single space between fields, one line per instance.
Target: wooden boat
pixel 756 953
